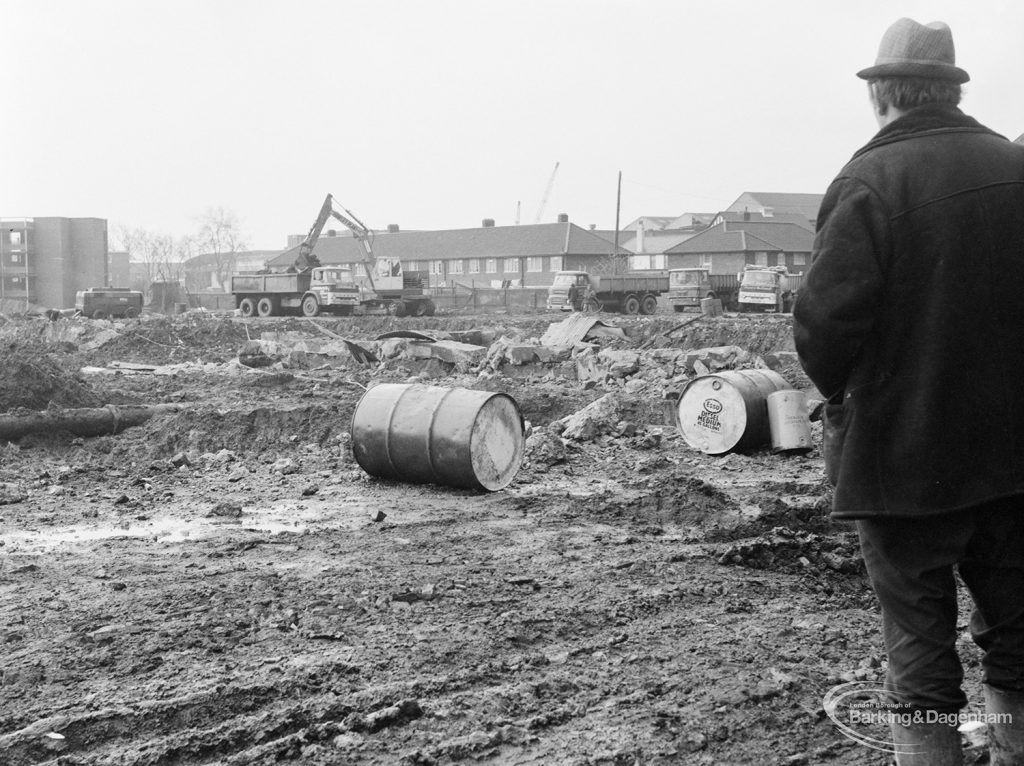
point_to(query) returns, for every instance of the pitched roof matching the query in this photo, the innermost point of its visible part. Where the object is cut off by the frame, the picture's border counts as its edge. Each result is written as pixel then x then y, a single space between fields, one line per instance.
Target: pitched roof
pixel 738 217
pixel 650 222
pixel 485 242
pixel 783 202
pixel 657 241
pixel 743 236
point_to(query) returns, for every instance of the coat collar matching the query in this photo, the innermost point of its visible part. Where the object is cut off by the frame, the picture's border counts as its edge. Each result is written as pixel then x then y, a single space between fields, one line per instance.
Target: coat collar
pixel 925 120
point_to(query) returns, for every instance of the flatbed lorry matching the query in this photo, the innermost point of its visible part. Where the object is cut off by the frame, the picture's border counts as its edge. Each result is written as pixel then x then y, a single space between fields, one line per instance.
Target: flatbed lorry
pixel 634 293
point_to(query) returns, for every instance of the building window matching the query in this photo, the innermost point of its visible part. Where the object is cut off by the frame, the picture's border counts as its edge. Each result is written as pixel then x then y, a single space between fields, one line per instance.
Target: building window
pixel 15 237
pixel 658 261
pixel 555 262
pixel 760 259
pixel 437 267
pixel 799 259
pixel 492 266
pixel 705 260
pixel 412 266
pixel 15 257
pixel 639 262
pixel 535 264
pixel 474 265
pixel 455 267
pixel 511 265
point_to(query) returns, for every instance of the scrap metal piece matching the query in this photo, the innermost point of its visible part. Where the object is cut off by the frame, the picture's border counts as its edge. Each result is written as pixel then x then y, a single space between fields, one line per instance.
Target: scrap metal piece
pixel 360 354
pixel 575 328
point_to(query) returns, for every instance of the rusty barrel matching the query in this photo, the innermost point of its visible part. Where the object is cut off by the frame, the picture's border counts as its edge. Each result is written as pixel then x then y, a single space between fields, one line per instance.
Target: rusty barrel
pixel 726 411
pixel 788 421
pixel 456 437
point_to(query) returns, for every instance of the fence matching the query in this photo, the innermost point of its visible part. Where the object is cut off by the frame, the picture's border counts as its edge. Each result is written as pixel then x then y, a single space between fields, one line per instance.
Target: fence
pixel 484 299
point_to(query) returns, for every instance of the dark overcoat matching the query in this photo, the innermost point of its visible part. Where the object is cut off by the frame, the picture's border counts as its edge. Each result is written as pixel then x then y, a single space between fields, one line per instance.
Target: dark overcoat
pixel 911 317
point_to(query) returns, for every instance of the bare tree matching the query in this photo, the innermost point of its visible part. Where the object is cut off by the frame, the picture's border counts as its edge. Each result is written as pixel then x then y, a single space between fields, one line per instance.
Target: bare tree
pixel 220 239
pixel 159 257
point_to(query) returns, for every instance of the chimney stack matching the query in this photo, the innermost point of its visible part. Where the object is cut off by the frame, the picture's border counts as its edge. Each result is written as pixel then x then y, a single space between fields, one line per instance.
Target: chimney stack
pixel 488 223
pixel 563 218
pixel 393 228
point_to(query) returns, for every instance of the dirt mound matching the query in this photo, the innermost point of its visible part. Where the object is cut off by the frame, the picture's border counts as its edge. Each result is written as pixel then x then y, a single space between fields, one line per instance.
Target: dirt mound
pixel 758 335
pixel 161 339
pixel 32 379
pixel 245 431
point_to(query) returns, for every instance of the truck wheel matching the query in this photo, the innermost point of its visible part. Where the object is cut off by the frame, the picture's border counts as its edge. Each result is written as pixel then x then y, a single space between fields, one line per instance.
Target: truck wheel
pixel 310 306
pixel 265 307
pixel 419 309
pixel 131 312
pixel 631 305
pixel 431 308
pixel 99 314
pixel 247 307
pixel 399 309
pixel 649 304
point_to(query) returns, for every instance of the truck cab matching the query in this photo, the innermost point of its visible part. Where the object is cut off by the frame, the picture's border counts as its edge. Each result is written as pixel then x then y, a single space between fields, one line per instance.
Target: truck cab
pixel 566 286
pixel 688 287
pixel 763 288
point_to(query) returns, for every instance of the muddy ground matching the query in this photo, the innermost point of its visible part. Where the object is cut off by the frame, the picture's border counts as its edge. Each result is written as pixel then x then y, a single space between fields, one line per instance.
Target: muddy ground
pixel 218 585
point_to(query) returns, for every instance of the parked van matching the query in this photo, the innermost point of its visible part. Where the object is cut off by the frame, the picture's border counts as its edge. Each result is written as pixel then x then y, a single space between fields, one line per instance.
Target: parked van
pixel 103 302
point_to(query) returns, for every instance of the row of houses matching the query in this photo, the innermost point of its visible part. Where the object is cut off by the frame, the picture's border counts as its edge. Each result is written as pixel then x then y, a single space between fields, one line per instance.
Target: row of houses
pixel 44 261
pixel 758 228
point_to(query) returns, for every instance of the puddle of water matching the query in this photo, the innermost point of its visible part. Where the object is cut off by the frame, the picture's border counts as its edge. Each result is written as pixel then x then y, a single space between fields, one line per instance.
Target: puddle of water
pixel 290 517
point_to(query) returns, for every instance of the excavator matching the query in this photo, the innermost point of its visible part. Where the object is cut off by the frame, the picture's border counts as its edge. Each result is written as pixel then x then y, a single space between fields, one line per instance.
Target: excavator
pixel 387 285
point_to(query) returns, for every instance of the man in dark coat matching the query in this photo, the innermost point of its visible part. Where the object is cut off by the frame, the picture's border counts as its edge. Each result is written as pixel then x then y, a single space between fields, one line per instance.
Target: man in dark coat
pixel 911 323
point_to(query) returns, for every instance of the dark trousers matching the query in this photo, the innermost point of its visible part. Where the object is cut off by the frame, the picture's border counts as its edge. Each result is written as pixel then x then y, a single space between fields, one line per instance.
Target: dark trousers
pixel 911 564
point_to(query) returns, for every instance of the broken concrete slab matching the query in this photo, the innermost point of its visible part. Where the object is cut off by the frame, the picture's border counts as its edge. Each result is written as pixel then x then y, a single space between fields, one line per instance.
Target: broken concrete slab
pixel 449 351
pixel 704 360
pixel 602 416
pixel 521 354
pixel 620 363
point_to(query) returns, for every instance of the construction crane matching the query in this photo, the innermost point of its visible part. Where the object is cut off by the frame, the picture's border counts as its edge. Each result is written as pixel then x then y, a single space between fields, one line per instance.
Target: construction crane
pixel 547 193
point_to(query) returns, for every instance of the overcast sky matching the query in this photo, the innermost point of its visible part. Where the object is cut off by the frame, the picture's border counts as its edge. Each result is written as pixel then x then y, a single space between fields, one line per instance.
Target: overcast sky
pixel 436 114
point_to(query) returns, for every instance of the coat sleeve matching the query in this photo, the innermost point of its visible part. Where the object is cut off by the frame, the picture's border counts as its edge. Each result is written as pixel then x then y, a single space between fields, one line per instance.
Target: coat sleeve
pixel 837 305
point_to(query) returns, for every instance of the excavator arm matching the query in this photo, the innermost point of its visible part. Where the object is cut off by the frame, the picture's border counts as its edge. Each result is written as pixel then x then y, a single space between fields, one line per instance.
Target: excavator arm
pixel 306 260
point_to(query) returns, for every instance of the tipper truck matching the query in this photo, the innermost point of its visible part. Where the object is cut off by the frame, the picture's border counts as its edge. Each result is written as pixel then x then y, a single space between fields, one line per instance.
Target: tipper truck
pixel 635 293
pixel 689 286
pixel 764 287
pixel 323 288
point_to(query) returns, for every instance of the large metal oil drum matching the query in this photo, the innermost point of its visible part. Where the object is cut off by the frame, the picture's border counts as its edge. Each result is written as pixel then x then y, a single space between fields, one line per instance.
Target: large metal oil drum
pixel 726 411
pixel 456 437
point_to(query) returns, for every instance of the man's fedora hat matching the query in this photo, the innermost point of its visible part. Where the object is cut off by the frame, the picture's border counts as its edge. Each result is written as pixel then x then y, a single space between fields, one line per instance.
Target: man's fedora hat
pixel 910 49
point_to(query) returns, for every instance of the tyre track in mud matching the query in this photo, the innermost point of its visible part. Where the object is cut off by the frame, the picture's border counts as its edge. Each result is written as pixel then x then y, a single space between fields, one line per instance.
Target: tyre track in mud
pixel 583 616
pixel 572 603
